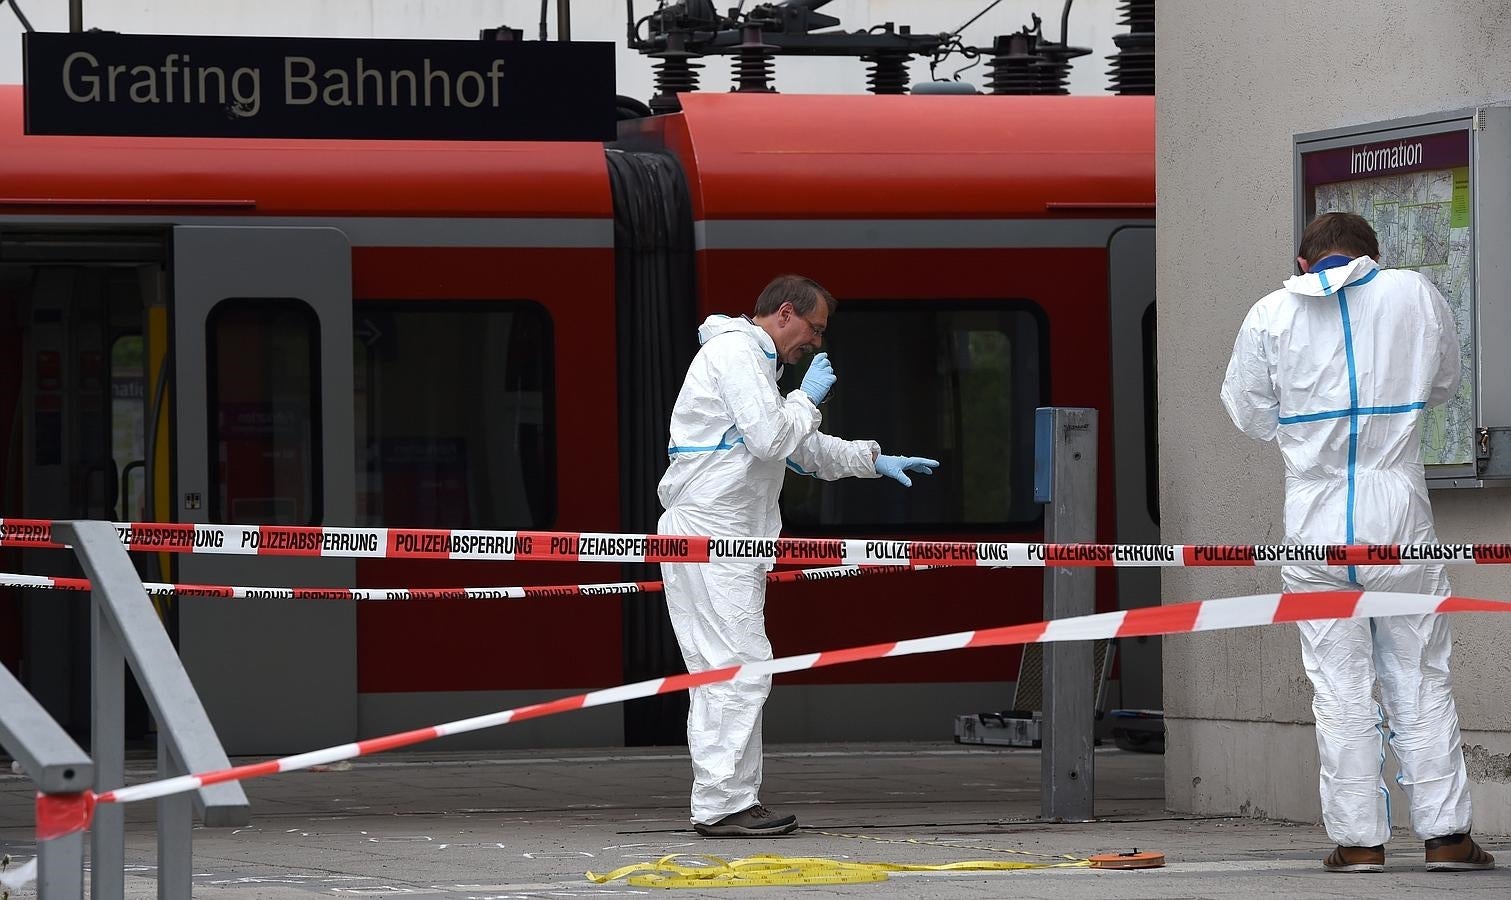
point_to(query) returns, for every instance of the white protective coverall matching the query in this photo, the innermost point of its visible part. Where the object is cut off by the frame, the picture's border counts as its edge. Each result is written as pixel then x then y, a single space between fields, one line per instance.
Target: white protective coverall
pixel 1337 367
pixel 733 439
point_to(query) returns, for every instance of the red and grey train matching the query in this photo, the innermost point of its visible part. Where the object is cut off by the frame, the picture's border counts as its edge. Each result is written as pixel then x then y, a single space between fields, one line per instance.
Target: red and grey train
pixel 490 335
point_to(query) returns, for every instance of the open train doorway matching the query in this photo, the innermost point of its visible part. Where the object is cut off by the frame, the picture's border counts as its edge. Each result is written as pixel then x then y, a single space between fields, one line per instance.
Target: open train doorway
pixel 81 351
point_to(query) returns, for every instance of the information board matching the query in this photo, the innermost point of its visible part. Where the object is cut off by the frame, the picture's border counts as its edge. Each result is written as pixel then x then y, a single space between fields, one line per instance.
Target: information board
pixel 1416 193
pixel 1437 189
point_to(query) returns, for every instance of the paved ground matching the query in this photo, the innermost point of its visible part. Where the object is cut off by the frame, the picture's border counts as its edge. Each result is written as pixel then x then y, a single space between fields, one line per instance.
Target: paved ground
pixel 518 825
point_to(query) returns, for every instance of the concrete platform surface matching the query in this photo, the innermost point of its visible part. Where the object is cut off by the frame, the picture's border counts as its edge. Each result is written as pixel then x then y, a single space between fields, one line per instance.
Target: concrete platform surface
pixel 468 826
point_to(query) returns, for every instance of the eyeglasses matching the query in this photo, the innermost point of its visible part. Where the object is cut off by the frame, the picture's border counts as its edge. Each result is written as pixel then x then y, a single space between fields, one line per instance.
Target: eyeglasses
pixel 818 330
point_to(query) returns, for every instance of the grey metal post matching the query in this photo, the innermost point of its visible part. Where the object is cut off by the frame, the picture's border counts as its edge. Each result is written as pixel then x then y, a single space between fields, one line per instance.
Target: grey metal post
pixel 60 867
pixel 75 16
pixel 56 765
pixel 175 832
pixel 107 743
pixel 563 20
pixel 1065 478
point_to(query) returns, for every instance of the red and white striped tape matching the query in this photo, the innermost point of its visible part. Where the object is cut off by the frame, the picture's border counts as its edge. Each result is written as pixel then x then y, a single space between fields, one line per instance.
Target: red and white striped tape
pixel 418 543
pixel 1183 618
pixel 47 582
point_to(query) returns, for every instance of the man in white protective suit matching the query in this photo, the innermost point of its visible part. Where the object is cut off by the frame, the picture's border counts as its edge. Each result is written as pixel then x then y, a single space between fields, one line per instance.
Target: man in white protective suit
pixel 1337 367
pixel 733 439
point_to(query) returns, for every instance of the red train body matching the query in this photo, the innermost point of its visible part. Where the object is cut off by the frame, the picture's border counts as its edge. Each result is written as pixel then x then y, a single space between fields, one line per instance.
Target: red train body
pixel 516 313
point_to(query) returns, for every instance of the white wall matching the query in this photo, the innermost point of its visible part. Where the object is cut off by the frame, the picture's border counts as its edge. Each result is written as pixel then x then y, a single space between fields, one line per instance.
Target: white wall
pixel 1092 24
pixel 1235 84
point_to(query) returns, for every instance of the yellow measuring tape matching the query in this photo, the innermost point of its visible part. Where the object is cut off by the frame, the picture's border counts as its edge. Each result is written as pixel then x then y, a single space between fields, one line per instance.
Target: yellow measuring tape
pixel 767 870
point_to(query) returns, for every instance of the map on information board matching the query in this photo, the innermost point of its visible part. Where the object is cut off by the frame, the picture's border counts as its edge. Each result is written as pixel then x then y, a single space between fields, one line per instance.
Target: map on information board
pixel 1418 200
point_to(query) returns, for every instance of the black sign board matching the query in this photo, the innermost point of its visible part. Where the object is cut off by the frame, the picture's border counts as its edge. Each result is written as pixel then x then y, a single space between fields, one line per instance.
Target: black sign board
pixel 181 86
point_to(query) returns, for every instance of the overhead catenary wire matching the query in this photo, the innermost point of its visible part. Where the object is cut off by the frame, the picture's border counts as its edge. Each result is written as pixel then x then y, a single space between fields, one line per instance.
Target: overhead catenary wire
pixel 21 16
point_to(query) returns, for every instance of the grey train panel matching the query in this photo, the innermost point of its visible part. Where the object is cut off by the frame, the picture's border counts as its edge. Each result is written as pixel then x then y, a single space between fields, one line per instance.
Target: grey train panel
pixel 275 676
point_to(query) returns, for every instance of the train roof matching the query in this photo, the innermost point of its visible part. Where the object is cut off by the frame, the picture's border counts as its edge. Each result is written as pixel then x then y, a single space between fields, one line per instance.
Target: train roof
pixel 749 156
pixel 756 156
pixel 41 174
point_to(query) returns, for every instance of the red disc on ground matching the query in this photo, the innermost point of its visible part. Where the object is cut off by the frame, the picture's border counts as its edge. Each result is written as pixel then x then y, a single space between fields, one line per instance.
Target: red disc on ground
pixel 1148 859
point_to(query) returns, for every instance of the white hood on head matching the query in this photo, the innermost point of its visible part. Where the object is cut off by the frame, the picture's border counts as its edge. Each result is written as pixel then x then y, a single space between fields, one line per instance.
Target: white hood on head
pixel 718 324
pixel 1326 282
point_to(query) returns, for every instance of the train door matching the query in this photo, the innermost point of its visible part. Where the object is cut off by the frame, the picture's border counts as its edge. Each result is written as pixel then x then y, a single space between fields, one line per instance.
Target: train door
pixel 262 325
pixel 74 366
pixel 1130 269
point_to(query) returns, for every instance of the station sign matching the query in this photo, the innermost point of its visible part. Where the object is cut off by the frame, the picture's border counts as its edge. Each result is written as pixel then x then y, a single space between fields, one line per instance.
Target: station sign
pixel 100 83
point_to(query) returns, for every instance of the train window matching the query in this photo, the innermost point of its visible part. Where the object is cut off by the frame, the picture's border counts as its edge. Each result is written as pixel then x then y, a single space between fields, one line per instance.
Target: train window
pixel 264 377
pixel 453 415
pixel 958 382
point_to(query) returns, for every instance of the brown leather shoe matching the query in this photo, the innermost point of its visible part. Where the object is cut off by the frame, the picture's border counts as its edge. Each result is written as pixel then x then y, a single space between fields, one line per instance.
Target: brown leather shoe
pixel 757 821
pixel 1355 859
pixel 1457 853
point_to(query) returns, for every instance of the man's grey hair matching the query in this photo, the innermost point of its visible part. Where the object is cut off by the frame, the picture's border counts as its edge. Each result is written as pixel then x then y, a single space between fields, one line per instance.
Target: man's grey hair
pixel 803 293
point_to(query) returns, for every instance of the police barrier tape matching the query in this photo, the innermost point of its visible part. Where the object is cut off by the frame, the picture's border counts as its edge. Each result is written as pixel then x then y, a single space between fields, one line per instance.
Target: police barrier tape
pixel 48 582
pixel 551 546
pixel 59 814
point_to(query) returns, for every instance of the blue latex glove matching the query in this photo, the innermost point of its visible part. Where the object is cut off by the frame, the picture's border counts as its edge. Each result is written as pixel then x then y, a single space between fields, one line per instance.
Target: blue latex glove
pixel 820 379
pixel 895 466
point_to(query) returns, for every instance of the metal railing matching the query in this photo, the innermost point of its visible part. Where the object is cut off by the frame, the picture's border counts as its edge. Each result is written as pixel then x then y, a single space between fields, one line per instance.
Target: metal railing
pixel 124 627
pixel 56 765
